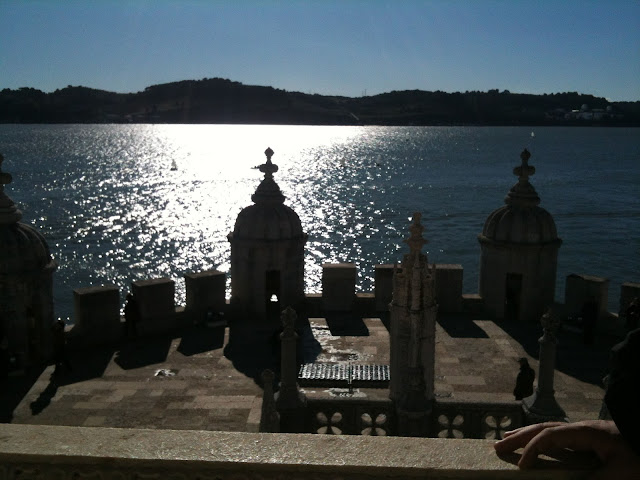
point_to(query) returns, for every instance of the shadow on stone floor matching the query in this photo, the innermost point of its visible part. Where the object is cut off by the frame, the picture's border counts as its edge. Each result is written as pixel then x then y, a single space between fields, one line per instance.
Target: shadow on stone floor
pixel 252 351
pixel 342 324
pixel 13 390
pixel 201 339
pixel 44 399
pixel 461 326
pixel 85 365
pixel 138 353
pixel 587 363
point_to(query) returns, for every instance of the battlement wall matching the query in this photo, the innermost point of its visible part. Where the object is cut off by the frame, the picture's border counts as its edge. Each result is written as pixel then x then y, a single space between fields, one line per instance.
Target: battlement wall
pixel 97 317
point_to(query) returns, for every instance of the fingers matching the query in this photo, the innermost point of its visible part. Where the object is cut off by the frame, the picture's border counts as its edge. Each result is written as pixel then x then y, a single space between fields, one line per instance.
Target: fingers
pixel 575 437
pixel 520 437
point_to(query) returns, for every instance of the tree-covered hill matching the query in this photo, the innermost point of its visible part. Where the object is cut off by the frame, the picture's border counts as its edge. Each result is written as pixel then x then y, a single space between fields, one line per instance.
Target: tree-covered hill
pixel 219 100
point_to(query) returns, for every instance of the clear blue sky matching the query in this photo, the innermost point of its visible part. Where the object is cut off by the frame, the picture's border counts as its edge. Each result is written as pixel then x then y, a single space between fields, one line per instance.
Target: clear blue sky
pixel 341 47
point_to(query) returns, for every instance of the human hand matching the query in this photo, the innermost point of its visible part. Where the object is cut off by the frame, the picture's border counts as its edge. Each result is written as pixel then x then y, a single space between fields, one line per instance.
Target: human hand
pixel 598 436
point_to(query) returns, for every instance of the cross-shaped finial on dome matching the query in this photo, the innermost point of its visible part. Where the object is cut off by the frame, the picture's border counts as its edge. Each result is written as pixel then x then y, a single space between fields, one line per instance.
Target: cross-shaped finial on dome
pixel 522 194
pixel 415 240
pixel 524 171
pixel 268 168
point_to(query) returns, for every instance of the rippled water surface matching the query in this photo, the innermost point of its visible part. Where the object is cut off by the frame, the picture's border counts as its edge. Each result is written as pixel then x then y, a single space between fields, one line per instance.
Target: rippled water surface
pixel 113 210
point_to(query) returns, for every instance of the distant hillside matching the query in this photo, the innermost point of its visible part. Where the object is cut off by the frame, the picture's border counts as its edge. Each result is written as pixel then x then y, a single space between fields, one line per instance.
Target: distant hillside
pixel 218 100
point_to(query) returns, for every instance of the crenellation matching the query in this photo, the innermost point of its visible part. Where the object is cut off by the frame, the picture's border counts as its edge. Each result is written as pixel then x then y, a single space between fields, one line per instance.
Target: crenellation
pixel 449 287
pixel 205 293
pixel 579 289
pixel 338 286
pixel 383 286
pixel 96 315
pixel 156 303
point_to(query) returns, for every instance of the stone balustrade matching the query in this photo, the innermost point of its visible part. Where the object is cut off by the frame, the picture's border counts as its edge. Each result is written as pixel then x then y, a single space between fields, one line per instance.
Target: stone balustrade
pixel 38 451
pixel 353 415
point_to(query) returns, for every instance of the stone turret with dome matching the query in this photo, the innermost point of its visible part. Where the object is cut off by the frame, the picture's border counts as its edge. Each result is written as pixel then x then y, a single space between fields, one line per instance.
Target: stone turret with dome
pixel 26 284
pixel 519 256
pixel 269 218
pixel 267 254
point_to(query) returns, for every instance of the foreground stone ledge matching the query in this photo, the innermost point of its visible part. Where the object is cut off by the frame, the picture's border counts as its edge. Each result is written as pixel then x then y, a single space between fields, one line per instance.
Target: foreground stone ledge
pixel 35 451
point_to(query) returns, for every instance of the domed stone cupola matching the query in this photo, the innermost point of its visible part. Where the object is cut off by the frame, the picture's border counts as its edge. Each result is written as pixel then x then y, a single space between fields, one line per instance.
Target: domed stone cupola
pixel 267 254
pixel 519 244
pixel 26 287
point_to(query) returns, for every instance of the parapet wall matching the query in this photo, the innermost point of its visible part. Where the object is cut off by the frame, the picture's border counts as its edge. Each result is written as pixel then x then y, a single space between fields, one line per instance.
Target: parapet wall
pixel 97 309
pixel 39 451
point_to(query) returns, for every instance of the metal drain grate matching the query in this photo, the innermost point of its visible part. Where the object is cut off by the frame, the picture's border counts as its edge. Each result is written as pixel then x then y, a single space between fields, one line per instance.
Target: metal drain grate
pixel 332 375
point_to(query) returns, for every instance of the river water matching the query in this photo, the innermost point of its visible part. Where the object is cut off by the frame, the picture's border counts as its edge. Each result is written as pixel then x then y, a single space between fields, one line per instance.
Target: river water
pixel 114 211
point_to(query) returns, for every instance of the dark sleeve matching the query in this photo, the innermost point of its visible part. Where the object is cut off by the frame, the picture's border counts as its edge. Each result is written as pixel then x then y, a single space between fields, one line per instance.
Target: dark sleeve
pixel 621 398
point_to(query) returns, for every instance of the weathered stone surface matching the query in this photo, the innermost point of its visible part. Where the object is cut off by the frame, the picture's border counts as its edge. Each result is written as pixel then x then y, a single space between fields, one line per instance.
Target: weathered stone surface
pixel 71 452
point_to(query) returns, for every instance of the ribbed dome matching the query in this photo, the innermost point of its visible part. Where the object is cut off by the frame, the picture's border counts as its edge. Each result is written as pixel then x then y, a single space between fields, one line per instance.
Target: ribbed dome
pixel 269 218
pixel 22 248
pixel 521 220
pixel 267 222
pixel 531 225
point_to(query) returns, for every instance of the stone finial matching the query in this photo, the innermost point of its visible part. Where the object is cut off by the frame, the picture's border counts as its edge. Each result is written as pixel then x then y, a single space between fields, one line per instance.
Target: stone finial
pixel 550 322
pixel 268 190
pixel 415 240
pixel 268 168
pixel 524 171
pixel 9 213
pixel 288 318
pixel 522 194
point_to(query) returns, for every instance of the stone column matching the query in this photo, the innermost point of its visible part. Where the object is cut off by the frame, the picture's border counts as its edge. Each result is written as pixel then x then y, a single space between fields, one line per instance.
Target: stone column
pixel 290 402
pixel 542 405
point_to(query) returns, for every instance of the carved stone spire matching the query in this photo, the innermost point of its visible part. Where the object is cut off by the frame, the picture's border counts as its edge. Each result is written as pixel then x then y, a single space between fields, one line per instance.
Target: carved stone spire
pixel 415 240
pixel 9 213
pixel 522 194
pixel 268 191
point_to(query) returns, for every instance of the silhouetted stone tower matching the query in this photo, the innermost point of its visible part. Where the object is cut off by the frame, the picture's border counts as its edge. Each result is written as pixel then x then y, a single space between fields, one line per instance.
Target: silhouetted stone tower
pixel 267 256
pixel 26 285
pixel 413 312
pixel 519 255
